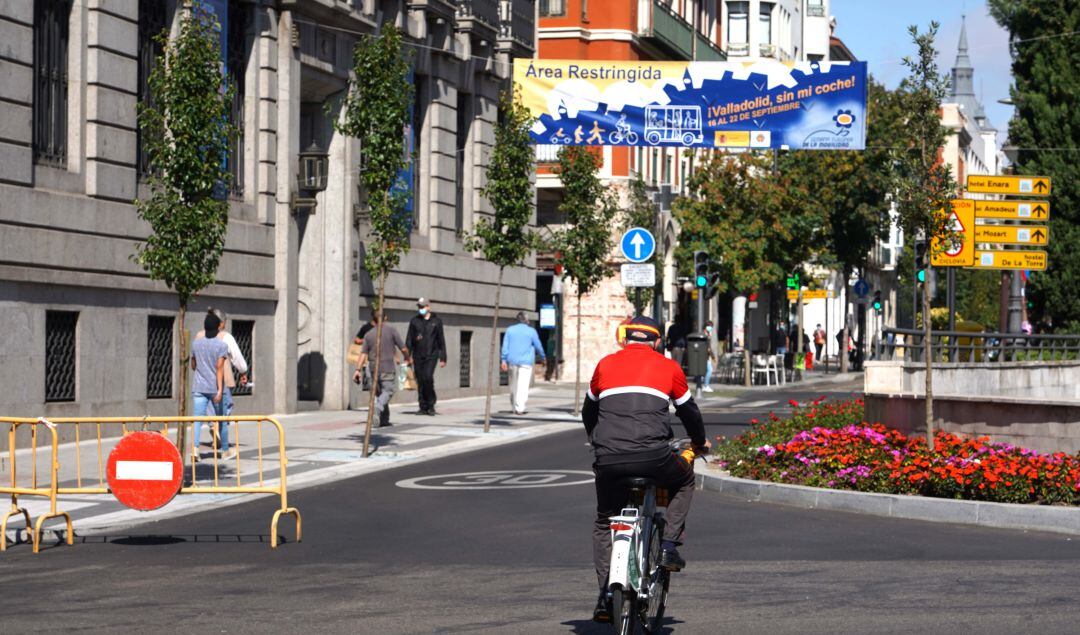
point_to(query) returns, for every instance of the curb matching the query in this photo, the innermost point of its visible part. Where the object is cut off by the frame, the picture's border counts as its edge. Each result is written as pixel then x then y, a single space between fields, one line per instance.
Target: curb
pixel 1062 520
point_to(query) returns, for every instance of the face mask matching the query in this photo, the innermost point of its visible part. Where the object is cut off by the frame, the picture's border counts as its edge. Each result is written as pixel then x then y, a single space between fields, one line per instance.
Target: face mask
pixel 423 311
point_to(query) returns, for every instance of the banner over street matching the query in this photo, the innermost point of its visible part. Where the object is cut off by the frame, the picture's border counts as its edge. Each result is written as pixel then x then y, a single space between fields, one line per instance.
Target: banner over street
pixel 760 104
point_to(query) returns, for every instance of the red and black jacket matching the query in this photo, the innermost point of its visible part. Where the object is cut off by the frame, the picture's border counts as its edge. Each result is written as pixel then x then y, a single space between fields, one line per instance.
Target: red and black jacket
pixel 626 409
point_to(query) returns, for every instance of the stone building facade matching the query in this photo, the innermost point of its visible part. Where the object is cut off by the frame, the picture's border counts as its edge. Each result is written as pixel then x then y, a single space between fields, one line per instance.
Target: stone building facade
pixel 90 334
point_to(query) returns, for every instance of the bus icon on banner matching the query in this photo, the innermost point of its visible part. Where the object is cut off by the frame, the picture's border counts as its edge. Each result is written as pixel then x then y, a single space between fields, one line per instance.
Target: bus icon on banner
pixel 681 124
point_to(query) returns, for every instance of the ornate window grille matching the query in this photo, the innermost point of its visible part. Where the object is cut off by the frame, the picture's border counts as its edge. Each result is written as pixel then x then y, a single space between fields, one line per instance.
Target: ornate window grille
pixel 60 357
pixel 159 355
pixel 151 23
pixel 237 59
pixel 465 360
pixel 243 331
pixel 50 80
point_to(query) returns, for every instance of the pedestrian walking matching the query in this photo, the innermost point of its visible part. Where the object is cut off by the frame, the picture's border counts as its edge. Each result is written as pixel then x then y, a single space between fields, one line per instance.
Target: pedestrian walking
pixel 384 379
pixel 208 355
pixel 235 361
pixel 550 355
pixel 780 339
pixel 354 351
pixel 521 345
pixel 711 361
pixel 819 341
pixel 676 342
pixel 426 346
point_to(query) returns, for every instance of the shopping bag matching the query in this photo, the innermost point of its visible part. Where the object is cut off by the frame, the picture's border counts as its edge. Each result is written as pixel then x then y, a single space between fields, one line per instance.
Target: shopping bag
pixel 410 378
pixel 353 355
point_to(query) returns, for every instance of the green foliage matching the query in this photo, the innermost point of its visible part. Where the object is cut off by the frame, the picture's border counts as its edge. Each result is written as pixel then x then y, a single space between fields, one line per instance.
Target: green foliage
pixel 582 248
pixel 186 130
pixel 850 189
pixel 978 296
pixel 1046 129
pixel 376 111
pixel 737 214
pixel 505 239
pixel 923 183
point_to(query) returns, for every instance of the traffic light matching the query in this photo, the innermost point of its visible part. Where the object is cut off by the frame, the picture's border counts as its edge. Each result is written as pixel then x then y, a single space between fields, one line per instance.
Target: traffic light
pixel 920 261
pixel 878 306
pixel 701 269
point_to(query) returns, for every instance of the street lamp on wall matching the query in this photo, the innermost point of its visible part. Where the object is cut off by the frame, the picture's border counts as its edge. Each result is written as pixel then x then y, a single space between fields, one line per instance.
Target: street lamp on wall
pixel 314 164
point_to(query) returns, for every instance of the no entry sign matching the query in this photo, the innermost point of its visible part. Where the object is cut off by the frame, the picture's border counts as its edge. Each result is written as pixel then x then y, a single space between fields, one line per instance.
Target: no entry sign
pixel 144 470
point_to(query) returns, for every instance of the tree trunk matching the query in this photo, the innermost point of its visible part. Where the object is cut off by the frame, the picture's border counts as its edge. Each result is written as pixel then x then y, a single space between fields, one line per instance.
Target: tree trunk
pixel 747 369
pixel 929 359
pixel 843 350
pixel 375 376
pixel 492 355
pixel 181 398
pixel 577 364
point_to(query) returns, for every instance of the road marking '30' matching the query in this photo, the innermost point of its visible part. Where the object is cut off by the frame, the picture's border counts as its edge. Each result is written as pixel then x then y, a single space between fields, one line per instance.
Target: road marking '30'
pixel 501 479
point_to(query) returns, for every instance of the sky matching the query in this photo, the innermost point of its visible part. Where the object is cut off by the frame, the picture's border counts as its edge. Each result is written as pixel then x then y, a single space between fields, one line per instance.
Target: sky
pixel 876 31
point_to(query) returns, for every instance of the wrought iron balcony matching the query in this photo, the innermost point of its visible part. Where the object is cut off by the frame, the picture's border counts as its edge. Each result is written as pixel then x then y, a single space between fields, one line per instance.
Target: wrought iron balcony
pixel 547 153
pixel 767 50
pixel 486 12
pixel 815 10
pixel 738 49
pixel 518 25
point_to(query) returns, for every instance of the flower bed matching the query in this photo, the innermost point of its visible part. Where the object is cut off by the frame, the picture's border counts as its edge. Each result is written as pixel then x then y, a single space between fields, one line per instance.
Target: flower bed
pixel 828 445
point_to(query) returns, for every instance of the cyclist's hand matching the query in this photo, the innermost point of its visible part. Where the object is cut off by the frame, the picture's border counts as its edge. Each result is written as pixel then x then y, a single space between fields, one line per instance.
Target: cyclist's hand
pixel 703 450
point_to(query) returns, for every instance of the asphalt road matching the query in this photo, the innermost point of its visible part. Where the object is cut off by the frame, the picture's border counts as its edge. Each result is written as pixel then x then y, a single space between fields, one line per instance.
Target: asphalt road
pixel 379 558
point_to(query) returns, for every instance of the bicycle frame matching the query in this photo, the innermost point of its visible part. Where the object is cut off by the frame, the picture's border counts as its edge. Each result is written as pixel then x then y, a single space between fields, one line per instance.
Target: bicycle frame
pixel 629 532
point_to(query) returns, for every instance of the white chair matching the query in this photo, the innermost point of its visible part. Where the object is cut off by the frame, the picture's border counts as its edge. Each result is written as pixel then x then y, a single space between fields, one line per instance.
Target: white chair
pixel 777 363
pixel 765 365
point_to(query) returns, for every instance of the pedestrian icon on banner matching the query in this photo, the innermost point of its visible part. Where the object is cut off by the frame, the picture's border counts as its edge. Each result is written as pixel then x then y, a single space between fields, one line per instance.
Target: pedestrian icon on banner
pixel 637 244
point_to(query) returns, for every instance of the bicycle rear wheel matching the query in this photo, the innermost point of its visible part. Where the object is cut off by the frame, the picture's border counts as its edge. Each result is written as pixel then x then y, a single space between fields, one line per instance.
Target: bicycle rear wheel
pixel 659 579
pixel 624 612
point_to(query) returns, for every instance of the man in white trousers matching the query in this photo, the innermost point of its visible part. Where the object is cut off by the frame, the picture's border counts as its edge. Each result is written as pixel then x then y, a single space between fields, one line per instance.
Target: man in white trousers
pixel 520 348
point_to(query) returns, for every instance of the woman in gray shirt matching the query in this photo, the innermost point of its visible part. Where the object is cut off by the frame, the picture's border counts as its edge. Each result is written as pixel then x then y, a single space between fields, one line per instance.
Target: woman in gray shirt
pixel 208 356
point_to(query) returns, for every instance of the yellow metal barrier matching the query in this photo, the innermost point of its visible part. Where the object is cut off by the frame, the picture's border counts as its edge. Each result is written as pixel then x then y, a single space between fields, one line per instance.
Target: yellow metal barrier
pixel 210 479
pixel 49 491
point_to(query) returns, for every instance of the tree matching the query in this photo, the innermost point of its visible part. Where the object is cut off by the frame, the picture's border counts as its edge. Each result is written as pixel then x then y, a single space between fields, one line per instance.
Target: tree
pixel 505 239
pixel 583 247
pixel 1045 128
pixel 186 130
pixel 852 191
pixel 736 213
pixel 923 184
pixel 640 212
pixel 376 111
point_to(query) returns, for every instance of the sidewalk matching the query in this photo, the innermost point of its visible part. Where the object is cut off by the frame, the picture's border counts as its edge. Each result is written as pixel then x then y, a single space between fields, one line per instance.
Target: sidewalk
pixel 321 447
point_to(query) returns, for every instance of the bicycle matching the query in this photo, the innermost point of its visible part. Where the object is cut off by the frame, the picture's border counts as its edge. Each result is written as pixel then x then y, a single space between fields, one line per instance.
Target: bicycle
pixel 637 584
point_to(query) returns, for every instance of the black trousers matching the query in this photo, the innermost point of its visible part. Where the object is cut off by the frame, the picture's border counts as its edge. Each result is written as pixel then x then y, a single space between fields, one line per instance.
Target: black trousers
pixel 425 382
pixel 670 472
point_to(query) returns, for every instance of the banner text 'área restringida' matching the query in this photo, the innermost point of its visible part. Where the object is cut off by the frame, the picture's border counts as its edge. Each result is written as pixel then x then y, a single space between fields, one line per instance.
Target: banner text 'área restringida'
pixel 761 104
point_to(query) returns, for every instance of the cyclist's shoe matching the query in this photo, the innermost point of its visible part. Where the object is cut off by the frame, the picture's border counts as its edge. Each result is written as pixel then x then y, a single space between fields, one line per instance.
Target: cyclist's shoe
pixel 602 612
pixel 671 560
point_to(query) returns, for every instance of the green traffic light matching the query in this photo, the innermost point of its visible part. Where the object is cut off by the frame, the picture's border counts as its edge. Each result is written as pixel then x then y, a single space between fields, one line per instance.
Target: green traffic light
pixel 921 276
pixel 702 281
pixel 877 306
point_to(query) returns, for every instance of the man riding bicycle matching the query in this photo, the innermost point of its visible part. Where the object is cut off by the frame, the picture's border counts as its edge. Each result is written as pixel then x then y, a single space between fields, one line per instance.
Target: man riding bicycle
pixel 626 417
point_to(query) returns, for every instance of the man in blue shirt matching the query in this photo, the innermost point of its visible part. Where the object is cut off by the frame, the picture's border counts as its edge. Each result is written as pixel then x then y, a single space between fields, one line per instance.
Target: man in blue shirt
pixel 521 345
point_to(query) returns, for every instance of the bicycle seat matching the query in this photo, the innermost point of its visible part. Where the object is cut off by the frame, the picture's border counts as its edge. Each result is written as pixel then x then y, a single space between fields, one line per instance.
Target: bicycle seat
pixel 638 482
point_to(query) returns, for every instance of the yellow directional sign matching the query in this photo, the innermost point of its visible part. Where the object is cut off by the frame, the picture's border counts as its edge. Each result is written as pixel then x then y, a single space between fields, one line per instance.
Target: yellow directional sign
pixel 1013 210
pixel 960 253
pixel 1029 260
pixel 815 294
pixel 1012 234
pixel 1021 185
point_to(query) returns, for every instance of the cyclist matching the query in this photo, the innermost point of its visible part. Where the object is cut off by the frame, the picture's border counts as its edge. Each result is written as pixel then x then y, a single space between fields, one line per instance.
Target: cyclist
pixel 626 417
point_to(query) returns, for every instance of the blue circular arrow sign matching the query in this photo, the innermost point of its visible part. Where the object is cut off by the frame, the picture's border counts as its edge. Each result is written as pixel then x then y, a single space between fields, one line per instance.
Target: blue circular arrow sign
pixel 638 244
pixel 862 288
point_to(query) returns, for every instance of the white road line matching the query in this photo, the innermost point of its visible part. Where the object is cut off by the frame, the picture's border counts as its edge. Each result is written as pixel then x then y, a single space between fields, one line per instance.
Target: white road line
pixel 755 404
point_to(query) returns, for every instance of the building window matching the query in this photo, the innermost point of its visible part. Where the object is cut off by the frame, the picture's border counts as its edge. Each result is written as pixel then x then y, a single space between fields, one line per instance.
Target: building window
pixel 738 26
pixel 552 8
pixel 465 360
pixel 815 8
pixel 236 62
pixel 50 80
pixel 765 22
pixel 159 350
pixel 464 122
pixel 151 24
pixel 243 332
pixel 420 105
pixel 60 359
